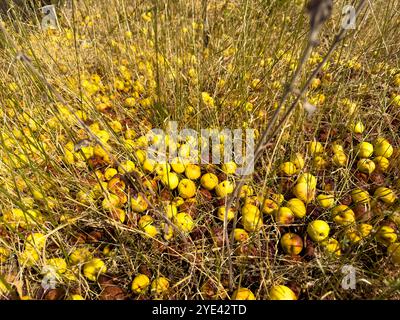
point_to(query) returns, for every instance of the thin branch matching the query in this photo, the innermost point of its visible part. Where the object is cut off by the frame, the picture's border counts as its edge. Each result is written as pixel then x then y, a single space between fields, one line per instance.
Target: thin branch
pixel 318 16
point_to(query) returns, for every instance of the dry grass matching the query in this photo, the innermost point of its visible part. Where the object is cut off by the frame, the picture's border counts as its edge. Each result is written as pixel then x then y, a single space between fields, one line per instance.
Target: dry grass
pixel 108 51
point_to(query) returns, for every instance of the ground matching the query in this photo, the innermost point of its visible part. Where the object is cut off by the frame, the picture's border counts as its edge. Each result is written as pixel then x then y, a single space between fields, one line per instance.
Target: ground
pixel 85 213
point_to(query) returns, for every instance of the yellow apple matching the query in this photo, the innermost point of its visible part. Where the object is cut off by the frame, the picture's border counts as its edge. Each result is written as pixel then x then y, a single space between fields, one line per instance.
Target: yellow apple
pixel 246 192
pixel 278 198
pixel 159 285
pixel 343 215
pixel 177 165
pixel 139 203
pixel 151 231
pixel 109 173
pixel 249 208
pixel 229 167
pixel 319 163
pixel 4 254
pixel 170 209
pixel 358 127
pixel 339 159
pixel 315 148
pixel 326 200
pixel 269 206
pixel 168 231
pixel 385 194
pixel 209 181
pixel 353 236
pixel 298 160
pixel 80 255
pixel 192 171
pixel 395 216
pixel 126 166
pixel 94 268
pixel 28 258
pixel 187 188
pixel 110 202
pixel 318 230
pixel 288 168
pixel 145 221
pixel 365 150
pixel 184 222
pixel 254 200
pixel 178 201
pixel 116 185
pixel 141 155
pixel 251 218
pixel 298 207
pixel 162 168
pixel 362 231
pixel 281 292
pixel 76 297
pixel 36 241
pixel 360 196
pixel 381 163
pixel 331 245
pixel 240 235
pixel 224 188
pixel 291 243
pixel 140 284
pixel 149 165
pixel 365 230
pixel 382 147
pixel 243 294
pixel 366 166
pixel 337 148
pixel 304 192
pixel 146 224
pixel 170 180
pixel 386 235
pixel 221 213
pixel 18 218
pixel 308 179
pixel 284 215
pixel 59 265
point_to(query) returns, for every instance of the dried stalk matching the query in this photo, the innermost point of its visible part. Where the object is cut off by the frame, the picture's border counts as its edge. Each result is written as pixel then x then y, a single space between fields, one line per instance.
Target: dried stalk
pixel 320 11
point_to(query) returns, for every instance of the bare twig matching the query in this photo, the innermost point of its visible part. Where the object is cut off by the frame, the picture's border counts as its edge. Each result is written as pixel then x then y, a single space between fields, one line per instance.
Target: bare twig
pixel 320 11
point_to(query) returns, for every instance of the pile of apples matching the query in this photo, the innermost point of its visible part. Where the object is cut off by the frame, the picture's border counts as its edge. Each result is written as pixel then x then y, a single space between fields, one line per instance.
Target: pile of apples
pixel 182 182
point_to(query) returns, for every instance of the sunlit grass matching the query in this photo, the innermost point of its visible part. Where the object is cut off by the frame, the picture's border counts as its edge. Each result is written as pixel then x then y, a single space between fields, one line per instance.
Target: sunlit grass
pixel 79 106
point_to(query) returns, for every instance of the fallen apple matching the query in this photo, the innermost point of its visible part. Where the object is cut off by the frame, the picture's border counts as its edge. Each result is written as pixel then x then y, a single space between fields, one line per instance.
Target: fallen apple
pixel 291 243
pixel 209 181
pixel 385 194
pixel 318 230
pixel 186 188
pixel 365 149
pixel 281 292
pixel 243 294
pixel 140 284
pixel 224 188
pixel 284 216
pixel 386 235
pixel 298 207
pixel 343 215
